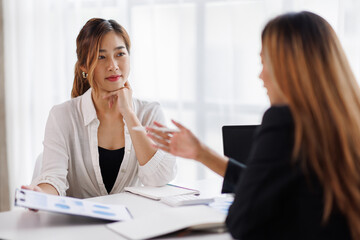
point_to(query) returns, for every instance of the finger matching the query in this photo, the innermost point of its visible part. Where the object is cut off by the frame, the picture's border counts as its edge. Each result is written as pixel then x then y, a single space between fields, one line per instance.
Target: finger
pixel 181 127
pixel 26 187
pixel 110 102
pixel 112 93
pixel 161 147
pixel 113 100
pixel 109 95
pixel 127 84
pixel 159 133
pixel 158 124
pixel 38 189
pixel 158 139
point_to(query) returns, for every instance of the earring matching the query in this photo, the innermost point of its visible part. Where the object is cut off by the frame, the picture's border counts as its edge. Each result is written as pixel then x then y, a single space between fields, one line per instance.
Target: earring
pixel 84 75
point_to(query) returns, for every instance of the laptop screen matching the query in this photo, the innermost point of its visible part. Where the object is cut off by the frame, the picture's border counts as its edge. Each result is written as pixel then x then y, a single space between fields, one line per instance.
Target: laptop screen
pixel 237 140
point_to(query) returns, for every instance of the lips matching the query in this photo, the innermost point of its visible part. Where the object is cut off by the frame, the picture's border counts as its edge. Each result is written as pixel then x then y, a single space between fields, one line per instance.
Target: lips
pixel 113 78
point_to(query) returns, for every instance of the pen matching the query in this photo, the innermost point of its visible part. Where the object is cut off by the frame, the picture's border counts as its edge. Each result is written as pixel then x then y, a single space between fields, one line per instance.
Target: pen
pixel 172 185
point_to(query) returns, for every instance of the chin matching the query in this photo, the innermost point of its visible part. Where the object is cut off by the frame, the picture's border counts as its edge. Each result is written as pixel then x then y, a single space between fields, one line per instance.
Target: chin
pixel 115 86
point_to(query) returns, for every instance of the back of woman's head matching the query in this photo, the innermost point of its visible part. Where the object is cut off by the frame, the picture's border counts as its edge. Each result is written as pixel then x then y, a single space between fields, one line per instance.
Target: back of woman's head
pixel 308 64
pixel 87 51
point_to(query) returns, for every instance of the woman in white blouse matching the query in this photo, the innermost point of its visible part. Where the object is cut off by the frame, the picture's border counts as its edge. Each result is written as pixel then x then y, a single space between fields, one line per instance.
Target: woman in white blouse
pixel 90 147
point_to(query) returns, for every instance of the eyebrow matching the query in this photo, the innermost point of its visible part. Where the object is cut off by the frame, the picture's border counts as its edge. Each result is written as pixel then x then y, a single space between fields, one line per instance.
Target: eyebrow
pixel 117 48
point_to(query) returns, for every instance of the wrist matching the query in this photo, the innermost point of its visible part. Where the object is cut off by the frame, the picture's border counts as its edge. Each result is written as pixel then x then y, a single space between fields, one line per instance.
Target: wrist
pixel 200 156
pixel 131 119
pixel 128 113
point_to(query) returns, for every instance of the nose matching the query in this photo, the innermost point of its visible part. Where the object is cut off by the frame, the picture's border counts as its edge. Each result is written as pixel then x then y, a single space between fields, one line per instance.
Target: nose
pixel 113 65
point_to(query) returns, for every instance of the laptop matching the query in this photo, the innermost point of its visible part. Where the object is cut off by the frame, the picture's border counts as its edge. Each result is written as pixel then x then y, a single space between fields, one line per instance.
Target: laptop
pixel 237 140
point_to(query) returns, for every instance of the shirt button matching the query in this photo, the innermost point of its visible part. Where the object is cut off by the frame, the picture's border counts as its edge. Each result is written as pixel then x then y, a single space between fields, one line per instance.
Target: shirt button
pixel 123 170
pixel 128 151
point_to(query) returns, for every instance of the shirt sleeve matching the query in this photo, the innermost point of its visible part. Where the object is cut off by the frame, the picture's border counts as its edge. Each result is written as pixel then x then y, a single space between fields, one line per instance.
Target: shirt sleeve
pixel 161 168
pixel 55 158
pixel 265 184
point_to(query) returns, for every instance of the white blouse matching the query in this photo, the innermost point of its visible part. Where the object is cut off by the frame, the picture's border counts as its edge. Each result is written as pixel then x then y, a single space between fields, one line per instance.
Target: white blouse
pixel 71 158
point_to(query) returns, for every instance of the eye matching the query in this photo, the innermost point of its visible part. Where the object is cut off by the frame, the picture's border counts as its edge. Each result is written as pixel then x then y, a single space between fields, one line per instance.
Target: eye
pixel 120 54
pixel 101 57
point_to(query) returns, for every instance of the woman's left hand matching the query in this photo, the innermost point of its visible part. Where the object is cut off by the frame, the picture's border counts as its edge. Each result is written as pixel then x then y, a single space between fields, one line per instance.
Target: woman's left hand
pixel 121 98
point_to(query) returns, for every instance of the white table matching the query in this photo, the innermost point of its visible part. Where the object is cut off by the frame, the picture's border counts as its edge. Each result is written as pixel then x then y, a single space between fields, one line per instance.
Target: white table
pixel 24 224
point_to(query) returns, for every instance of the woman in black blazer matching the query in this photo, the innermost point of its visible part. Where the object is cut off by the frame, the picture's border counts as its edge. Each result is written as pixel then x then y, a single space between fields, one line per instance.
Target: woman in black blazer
pixel 302 179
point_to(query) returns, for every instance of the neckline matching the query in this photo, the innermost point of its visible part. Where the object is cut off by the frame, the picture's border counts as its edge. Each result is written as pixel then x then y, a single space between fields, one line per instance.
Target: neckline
pixel 111 150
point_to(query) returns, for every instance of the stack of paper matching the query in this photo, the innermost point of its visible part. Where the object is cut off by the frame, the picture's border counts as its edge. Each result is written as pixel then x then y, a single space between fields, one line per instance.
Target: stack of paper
pixel 168 221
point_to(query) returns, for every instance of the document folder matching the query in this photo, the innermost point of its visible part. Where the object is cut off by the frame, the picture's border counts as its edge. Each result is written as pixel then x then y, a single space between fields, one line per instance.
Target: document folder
pixel 68 205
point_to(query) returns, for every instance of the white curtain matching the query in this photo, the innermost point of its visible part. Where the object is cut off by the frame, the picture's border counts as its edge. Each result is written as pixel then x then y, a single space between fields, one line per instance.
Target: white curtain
pixel 39 61
pixel 198 58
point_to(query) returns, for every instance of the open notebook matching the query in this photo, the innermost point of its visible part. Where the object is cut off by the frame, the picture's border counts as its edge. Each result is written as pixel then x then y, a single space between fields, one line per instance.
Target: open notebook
pixel 170 220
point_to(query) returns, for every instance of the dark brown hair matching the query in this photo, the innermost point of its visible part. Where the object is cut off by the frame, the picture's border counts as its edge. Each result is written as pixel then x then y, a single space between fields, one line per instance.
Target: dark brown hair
pixel 87 51
pixel 308 64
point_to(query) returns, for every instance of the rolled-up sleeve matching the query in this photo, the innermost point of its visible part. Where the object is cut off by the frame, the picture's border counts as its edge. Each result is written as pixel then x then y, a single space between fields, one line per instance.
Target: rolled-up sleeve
pixel 161 168
pixel 54 166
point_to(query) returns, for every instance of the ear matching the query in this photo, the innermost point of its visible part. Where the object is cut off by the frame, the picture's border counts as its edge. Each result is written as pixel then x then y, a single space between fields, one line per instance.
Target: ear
pixel 83 69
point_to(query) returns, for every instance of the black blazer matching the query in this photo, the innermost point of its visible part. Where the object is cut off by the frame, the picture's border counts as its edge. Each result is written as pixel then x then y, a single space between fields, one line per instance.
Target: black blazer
pixel 275 198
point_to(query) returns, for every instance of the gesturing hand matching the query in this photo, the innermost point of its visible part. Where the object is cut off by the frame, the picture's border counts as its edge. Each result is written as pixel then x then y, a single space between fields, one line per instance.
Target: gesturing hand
pixel 120 98
pixel 183 144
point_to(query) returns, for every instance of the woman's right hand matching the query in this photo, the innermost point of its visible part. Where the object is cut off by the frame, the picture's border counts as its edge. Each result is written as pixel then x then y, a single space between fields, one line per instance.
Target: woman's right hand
pixel 32 188
pixel 183 144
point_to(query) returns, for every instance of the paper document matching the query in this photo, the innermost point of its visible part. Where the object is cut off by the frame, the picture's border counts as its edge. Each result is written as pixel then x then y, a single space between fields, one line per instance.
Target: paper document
pixel 68 205
pixel 161 192
pixel 168 221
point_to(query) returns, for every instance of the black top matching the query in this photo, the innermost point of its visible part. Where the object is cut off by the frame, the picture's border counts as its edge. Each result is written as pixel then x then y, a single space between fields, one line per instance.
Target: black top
pixel 110 161
pixel 275 198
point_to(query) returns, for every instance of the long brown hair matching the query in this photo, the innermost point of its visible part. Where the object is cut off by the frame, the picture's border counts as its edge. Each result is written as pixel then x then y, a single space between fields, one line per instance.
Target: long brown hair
pixel 87 51
pixel 308 64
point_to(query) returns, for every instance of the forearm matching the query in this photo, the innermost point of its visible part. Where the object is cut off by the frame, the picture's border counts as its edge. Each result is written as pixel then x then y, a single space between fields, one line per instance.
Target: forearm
pixel 212 160
pixel 48 188
pixel 142 144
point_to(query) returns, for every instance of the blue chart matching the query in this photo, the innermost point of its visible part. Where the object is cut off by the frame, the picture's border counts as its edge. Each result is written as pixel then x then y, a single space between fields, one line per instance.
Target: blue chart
pixel 222 203
pixel 104 213
pixel 62 206
pixel 68 205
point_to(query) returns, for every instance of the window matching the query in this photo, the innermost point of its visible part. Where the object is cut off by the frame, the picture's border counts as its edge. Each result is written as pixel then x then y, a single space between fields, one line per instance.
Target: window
pixel 198 58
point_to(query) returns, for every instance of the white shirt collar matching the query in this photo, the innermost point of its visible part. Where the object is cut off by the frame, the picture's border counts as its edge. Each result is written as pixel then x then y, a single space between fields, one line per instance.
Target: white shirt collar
pixel 87 107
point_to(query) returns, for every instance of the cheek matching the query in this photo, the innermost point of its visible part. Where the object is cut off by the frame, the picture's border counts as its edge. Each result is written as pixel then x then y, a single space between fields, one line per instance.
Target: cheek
pixel 97 74
pixel 125 67
pixel 265 76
